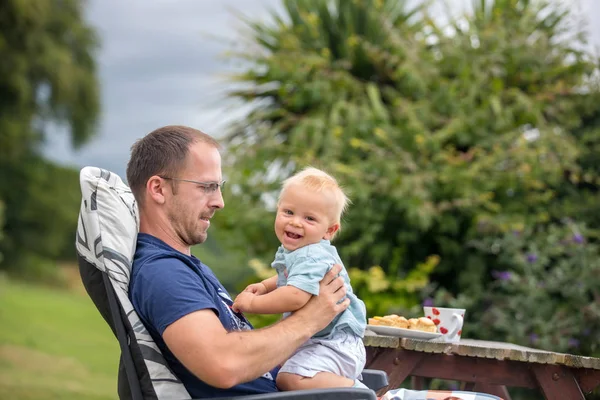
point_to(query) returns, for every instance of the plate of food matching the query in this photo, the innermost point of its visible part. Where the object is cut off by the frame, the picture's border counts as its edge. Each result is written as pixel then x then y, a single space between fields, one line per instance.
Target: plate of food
pixel 395 325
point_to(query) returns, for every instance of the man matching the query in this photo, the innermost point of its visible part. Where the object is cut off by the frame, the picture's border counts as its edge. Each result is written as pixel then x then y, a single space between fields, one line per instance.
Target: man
pixel 175 176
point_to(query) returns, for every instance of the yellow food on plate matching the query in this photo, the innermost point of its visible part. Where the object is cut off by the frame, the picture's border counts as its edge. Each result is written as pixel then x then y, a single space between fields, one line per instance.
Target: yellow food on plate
pixel 422 324
pixel 393 320
pixel 397 321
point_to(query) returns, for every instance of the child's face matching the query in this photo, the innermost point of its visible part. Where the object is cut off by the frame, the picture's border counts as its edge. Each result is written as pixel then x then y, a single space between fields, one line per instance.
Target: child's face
pixel 303 218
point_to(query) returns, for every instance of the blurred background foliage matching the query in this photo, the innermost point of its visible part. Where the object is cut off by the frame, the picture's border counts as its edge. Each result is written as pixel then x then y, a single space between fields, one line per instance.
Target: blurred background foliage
pixel 469 146
pixel 449 137
pixel 47 79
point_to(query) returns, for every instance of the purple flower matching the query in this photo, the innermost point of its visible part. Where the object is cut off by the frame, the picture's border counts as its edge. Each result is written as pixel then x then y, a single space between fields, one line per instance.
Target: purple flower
pixel 578 238
pixel 502 275
pixel 573 342
pixel 586 332
pixel 428 302
pixel 516 233
pixel 533 338
pixel 532 257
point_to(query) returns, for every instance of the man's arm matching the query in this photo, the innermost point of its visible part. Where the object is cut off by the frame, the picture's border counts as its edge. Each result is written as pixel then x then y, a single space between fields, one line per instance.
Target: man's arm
pixel 224 359
pixel 280 300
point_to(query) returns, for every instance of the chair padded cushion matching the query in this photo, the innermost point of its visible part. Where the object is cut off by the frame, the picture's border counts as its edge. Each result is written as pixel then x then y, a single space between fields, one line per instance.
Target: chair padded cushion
pixel 106 238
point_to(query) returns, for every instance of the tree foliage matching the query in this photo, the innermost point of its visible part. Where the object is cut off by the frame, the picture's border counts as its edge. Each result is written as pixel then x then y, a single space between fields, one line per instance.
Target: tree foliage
pixel 433 129
pixel 452 138
pixel 47 79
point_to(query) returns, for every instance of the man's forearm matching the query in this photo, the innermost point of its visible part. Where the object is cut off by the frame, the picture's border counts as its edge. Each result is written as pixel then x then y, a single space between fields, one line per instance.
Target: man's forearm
pixel 280 300
pixel 223 359
pixel 258 351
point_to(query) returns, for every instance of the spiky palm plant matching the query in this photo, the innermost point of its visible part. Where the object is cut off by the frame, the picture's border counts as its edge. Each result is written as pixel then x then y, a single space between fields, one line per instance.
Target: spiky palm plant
pixel 433 129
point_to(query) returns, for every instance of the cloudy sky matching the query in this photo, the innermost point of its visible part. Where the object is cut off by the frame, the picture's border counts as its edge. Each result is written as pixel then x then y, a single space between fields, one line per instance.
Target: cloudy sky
pixel 162 63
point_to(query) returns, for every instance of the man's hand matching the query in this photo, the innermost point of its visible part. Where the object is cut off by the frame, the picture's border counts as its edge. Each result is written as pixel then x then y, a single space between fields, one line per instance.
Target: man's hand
pixel 322 309
pixel 243 302
pixel 256 288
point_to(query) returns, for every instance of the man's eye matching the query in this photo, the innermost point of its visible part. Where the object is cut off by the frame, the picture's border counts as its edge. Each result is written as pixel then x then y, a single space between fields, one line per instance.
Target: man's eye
pixel 210 187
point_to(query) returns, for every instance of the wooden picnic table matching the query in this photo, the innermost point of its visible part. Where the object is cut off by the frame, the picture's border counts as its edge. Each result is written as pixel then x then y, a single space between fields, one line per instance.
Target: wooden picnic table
pixel 483 366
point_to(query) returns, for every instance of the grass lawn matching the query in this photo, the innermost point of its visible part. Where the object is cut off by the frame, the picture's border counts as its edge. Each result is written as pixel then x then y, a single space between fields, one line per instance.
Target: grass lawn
pixel 54 345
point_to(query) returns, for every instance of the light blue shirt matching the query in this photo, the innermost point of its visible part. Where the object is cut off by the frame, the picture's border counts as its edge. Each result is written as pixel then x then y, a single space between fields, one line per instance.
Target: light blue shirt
pixel 305 267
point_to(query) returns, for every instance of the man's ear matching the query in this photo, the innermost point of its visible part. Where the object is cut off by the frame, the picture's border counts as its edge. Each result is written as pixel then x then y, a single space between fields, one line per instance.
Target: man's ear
pixel 155 189
pixel 331 231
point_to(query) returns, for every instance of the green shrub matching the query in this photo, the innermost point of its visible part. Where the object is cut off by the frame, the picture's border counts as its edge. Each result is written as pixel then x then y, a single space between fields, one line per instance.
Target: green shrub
pixel 544 293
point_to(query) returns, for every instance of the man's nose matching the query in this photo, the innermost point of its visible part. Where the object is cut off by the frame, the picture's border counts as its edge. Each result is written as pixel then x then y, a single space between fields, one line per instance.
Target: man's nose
pixel 217 200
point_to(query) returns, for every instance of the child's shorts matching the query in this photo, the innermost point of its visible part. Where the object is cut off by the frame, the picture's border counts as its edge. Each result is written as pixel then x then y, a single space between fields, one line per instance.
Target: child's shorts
pixel 343 354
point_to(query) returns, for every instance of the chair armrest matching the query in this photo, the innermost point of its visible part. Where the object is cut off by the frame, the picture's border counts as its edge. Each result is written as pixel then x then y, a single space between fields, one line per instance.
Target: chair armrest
pixel 374 379
pixel 315 394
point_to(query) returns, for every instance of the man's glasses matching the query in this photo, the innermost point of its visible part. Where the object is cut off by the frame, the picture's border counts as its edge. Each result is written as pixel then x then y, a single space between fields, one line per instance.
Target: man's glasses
pixel 207 187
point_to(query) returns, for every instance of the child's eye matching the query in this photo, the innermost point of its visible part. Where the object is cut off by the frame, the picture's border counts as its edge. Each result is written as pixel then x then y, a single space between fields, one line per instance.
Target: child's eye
pixel 310 219
pixel 288 212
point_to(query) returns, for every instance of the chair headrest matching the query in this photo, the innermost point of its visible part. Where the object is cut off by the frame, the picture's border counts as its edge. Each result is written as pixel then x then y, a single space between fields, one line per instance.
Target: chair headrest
pixel 108 223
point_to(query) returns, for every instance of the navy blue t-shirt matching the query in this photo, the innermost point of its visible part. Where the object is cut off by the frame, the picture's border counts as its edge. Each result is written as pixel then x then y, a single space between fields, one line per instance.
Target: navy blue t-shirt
pixel 167 285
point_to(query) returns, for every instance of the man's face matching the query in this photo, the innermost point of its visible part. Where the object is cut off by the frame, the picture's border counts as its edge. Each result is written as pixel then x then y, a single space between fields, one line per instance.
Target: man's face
pixel 191 208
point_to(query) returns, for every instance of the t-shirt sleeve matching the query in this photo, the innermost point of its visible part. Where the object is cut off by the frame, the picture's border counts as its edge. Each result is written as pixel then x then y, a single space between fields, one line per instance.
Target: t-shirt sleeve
pixel 166 289
pixel 307 272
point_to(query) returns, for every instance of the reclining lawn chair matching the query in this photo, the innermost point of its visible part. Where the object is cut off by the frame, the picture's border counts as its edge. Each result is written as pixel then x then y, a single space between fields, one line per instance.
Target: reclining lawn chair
pixel 105 242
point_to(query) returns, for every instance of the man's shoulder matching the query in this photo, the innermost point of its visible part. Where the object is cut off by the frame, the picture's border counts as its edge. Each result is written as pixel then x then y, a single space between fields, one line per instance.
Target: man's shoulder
pixel 158 261
pixel 148 258
pixel 159 266
pixel 150 251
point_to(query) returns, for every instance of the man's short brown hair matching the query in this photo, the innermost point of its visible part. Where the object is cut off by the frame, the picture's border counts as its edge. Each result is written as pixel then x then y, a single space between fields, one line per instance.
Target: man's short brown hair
pixel 164 152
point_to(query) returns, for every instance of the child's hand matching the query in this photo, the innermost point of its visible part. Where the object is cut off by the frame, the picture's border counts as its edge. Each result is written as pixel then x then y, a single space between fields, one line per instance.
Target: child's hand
pixel 256 288
pixel 243 302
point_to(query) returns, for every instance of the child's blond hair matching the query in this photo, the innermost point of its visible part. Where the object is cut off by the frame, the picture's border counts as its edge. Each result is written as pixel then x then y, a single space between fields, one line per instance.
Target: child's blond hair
pixel 319 181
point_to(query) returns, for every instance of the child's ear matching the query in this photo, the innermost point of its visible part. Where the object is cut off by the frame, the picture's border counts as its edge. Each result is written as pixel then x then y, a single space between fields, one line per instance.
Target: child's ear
pixel 331 231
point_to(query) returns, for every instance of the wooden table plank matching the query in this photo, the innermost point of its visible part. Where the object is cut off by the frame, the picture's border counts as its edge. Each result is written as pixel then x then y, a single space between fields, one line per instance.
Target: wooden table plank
pixel 388 360
pixel 486 364
pixel 485 349
pixel 557 382
pixel 450 367
pixel 588 379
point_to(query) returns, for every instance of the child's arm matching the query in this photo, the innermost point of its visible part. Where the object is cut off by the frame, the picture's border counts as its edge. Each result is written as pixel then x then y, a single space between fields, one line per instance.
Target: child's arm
pixel 266 286
pixel 270 283
pixel 280 300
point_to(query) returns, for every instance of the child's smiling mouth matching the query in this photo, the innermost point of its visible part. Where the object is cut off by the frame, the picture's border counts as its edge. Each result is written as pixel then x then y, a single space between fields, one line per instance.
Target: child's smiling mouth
pixel 292 235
